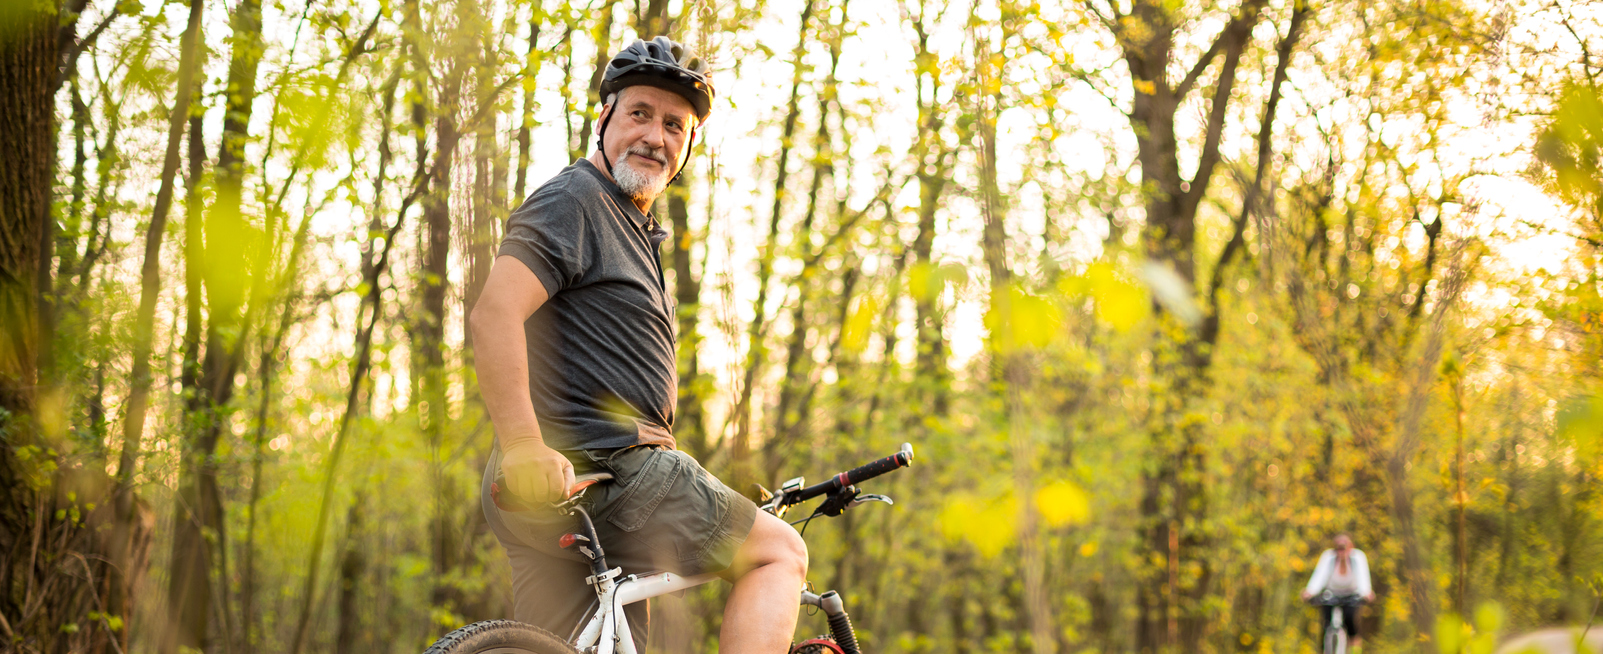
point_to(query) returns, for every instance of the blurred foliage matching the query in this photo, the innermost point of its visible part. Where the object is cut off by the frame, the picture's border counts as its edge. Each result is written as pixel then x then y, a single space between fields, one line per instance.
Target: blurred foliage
pixel 1370 242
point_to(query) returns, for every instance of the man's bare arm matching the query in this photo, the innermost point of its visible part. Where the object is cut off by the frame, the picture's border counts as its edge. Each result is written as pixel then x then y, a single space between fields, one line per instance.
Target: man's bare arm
pixel 500 353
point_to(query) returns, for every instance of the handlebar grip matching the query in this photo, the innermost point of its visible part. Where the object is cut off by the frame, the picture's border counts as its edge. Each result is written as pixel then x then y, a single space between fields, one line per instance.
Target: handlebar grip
pixel 854 476
pixel 874 469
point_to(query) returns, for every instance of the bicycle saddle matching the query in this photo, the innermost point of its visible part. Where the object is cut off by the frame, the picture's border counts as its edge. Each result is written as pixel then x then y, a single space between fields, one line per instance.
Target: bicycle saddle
pixel 584 481
pixel 506 502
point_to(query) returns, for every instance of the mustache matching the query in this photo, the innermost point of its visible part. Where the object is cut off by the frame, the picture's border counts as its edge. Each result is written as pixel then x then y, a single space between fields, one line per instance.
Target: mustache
pixel 653 154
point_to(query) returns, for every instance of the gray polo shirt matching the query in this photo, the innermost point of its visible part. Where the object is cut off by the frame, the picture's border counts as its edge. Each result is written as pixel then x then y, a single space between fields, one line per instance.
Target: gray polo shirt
pixel 601 350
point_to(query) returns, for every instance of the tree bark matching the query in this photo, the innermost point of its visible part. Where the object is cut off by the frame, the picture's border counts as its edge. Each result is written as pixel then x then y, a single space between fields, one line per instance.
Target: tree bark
pixel 29 52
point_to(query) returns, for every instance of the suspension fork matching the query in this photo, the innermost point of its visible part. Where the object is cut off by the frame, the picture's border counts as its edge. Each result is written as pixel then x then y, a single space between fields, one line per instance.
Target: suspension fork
pixel 840 624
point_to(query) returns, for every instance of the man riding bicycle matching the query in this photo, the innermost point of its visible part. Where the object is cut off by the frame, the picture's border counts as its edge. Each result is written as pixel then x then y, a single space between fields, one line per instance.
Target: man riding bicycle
pixel 1344 572
pixel 575 354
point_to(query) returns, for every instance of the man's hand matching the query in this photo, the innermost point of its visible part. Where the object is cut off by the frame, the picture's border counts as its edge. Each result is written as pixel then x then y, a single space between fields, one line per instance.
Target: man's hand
pixel 536 473
pixel 1306 594
pixel 1369 597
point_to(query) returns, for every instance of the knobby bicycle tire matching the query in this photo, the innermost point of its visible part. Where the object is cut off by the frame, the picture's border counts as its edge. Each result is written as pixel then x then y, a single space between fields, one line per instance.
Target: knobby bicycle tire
pixel 500 637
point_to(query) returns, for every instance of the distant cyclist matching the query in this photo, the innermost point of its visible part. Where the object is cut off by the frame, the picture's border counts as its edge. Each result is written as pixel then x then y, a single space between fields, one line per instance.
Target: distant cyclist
pixel 1344 571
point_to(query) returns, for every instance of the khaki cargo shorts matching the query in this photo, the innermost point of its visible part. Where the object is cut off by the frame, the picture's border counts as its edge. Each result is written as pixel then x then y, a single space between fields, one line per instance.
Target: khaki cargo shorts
pixel 662 512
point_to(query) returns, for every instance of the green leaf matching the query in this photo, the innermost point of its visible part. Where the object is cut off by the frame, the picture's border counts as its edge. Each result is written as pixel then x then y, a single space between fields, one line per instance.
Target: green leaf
pixel 1580 421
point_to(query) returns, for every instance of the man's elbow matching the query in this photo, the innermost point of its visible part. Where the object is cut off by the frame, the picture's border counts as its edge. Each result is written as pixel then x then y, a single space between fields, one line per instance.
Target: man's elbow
pixel 482 320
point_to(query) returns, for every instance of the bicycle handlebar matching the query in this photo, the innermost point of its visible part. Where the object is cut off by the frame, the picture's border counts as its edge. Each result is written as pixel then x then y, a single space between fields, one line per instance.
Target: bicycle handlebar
pixel 1336 600
pixel 854 476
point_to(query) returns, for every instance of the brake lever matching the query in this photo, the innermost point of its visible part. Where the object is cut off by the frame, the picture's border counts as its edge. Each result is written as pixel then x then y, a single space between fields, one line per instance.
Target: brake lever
pixel 864 499
pixel 837 502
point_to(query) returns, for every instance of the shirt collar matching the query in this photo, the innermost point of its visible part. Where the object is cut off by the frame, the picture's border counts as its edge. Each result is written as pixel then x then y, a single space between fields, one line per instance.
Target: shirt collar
pixel 644 220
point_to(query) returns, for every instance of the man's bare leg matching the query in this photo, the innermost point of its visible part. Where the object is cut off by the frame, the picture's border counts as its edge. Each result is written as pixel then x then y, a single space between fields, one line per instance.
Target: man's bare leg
pixel 768 571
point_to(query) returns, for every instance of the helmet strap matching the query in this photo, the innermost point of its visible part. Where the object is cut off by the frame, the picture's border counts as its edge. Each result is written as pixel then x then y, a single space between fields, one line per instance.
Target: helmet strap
pixel 601 139
pixel 686 162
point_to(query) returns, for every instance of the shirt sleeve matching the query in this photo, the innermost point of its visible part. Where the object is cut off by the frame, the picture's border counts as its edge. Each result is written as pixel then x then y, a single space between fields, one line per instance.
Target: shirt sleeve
pixel 549 233
pixel 1321 576
pixel 1361 571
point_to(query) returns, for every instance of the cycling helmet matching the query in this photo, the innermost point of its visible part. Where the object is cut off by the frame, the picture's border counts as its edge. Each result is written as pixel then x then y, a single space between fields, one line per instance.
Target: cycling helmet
pixel 666 65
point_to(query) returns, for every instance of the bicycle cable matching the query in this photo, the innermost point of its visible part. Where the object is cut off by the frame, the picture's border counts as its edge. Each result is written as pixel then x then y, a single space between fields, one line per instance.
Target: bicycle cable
pixel 805 521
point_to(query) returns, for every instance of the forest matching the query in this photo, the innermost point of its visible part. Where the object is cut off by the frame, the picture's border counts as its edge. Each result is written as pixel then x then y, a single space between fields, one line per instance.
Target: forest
pixel 1165 294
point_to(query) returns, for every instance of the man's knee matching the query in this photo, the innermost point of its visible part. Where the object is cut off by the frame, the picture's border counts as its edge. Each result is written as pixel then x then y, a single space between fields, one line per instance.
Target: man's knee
pixel 772 543
pixel 792 550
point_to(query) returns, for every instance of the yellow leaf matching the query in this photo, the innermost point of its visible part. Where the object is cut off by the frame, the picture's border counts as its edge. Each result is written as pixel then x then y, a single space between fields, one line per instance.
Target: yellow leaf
pixel 1120 303
pixel 1021 320
pixel 1062 503
pixel 854 335
pixel 1145 86
pixel 991 526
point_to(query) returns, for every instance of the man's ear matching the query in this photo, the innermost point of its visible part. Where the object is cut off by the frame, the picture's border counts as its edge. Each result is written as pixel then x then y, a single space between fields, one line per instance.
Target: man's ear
pixel 601 121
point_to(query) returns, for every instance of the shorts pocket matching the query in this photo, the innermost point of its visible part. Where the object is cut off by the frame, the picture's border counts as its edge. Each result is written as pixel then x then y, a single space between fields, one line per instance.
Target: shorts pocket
pixel 645 490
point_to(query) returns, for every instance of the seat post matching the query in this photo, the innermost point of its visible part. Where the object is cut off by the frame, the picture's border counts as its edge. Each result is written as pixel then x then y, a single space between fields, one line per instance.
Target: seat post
pixel 587 529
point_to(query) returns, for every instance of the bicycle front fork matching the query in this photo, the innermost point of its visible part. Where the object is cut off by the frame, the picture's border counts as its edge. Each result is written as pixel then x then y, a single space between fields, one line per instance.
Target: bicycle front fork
pixel 840 624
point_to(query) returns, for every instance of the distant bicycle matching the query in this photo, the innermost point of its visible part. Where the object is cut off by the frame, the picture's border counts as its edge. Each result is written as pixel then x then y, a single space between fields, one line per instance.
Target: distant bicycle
pixel 607 631
pixel 1335 636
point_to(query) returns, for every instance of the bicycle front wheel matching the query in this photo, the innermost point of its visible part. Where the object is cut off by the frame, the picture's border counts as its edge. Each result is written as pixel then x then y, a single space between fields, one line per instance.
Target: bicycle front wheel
pixel 500 637
pixel 1335 641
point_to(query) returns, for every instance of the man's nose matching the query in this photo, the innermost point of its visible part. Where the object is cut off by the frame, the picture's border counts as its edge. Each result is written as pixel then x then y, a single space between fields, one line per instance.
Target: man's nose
pixel 655 136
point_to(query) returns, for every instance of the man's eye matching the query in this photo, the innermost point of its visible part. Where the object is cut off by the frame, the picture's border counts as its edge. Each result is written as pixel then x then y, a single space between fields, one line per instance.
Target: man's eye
pixel 638 113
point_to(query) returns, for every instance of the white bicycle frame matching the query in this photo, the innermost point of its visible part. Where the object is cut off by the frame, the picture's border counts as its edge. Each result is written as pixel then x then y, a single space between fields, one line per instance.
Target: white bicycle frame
pixel 1336 630
pixel 608 630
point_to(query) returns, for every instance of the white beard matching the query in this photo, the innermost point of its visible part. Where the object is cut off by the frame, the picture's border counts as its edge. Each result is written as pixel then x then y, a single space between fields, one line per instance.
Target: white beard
pixel 637 184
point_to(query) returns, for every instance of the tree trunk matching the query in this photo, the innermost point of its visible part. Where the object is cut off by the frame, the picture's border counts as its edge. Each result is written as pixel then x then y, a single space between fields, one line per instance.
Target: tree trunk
pixel 1174 502
pixel 654 20
pixel 125 530
pixel 435 275
pixel 602 37
pixel 526 111
pixel 790 420
pixel 29 53
pixel 744 475
pixel 934 169
pixel 353 561
pixel 1010 365
pixel 372 307
pixel 690 429
pixel 189 589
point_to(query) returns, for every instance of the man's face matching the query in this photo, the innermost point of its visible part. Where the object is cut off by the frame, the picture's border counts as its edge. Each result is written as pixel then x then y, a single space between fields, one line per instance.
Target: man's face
pixel 646 139
pixel 1343 544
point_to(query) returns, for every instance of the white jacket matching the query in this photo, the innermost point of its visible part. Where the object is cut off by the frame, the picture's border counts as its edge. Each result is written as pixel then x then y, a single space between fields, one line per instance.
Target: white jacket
pixel 1327 567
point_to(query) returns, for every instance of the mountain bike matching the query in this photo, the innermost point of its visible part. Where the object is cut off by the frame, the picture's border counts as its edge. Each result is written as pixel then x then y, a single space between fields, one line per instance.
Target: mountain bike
pixel 607 630
pixel 1335 632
